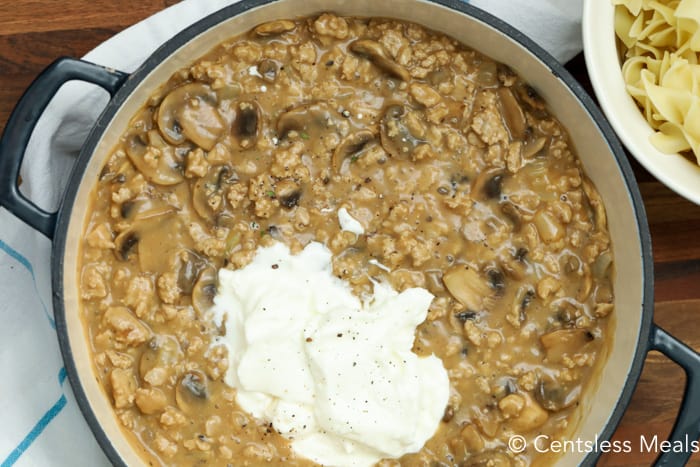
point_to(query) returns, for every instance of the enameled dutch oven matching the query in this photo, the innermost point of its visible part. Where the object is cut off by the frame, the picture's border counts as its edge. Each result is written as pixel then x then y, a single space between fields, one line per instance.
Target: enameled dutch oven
pixel 635 334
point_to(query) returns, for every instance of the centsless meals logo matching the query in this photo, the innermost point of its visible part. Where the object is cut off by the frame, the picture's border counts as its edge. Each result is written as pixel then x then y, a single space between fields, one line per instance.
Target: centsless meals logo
pixel 652 444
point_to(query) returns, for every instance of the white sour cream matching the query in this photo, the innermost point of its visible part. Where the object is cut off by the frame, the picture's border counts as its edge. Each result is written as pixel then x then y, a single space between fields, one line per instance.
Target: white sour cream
pixel 334 375
pixel 349 223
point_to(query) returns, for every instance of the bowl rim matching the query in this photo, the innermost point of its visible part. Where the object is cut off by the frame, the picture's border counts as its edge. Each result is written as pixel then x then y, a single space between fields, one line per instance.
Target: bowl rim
pixel 604 69
pixel 168 49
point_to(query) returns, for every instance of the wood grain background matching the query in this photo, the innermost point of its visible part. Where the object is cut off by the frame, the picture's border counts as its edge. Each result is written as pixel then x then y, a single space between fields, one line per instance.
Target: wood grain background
pixel 35 32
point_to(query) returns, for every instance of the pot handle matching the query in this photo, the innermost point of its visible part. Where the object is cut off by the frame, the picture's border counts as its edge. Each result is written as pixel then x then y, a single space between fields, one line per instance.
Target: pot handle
pixel 687 427
pixel 21 124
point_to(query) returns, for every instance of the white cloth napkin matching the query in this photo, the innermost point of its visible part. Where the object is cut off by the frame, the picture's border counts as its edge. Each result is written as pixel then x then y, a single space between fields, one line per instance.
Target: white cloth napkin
pixel 42 424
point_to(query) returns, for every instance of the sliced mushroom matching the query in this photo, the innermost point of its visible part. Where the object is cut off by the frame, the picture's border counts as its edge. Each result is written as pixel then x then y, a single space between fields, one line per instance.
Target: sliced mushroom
pixel 530 417
pixel 351 148
pixel 496 280
pixel 596 203
pixel 308 119
pixel 488 422
pixel 268 70
pixel 154 158
pixel 555 395
pixel 506 75
pixel 125 244
pixel 531 98
pixel 513 115
pixel 163 351
pixel 274 28
pixel 377 54
pixel 489 184
pixel 204 291
pixel 248 123
pixel 192 392
pixel 487 74
pixel 288 192
pixel 601 266
pixel 209 192
pixel 518 310
pixel 548 226
pixel 563 342
pixel 187 266
pixel 396 138
pixel 604 292
pixel 492 187
pixel 512 213
pixel 473 440
pixel 189 113
pixel 141 209
pixel 532 148
pixel 468 287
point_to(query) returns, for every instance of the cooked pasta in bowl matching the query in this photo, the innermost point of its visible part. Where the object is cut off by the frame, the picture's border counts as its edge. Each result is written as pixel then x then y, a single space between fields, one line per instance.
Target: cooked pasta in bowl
pixel 642 57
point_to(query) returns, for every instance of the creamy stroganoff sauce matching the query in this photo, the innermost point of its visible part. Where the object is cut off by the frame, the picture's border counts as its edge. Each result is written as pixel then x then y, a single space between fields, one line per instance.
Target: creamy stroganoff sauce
pixel 426 183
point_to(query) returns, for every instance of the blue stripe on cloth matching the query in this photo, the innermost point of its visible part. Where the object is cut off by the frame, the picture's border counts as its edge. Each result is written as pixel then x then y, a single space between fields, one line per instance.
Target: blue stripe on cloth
pixel 16 255
pixel 39 426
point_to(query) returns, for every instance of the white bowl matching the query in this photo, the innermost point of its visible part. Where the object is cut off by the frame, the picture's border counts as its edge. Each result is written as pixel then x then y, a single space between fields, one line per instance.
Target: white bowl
pixel 600 50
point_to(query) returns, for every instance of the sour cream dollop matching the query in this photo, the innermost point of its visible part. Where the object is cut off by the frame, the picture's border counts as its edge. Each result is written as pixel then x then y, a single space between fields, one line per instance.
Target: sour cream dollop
pixel 333 374
pixel 349 223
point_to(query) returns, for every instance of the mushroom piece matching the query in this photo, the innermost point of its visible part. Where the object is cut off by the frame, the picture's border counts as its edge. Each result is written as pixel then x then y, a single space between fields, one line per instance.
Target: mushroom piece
pixel 396 138
pixel 377 54
pixel 512 213
pixel 489 184
pixel 468 287
pixel 209 192
pixel 188 266
pixel 268 70
pixel 530 416
pixel 140 209
pixel 496 280
pixel 248 123
pixel 491 458
pixel 274 28
pixel 493 186
pixel 288 193
pixel 563 342
pixel 514 264
pixel 601 266
pixel 554 395
pixel 530 98
pixel 204 291
pixel 305 119
pixel 487 74
pixel 163 351
pixel 352 147
pixel 532 148
pixel 192 392
pixel 596 203
pixel 125 243
pixel 189 113
pixel 513 115
pixel 154 158
pixel 518 309
pixel 548 226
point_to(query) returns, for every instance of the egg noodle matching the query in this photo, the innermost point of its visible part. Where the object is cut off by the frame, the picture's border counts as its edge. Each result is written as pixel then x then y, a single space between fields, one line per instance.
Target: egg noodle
pixel 661 70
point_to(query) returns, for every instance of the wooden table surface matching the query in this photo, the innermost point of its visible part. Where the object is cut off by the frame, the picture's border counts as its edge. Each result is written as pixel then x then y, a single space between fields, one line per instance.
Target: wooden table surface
pixel 35 32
